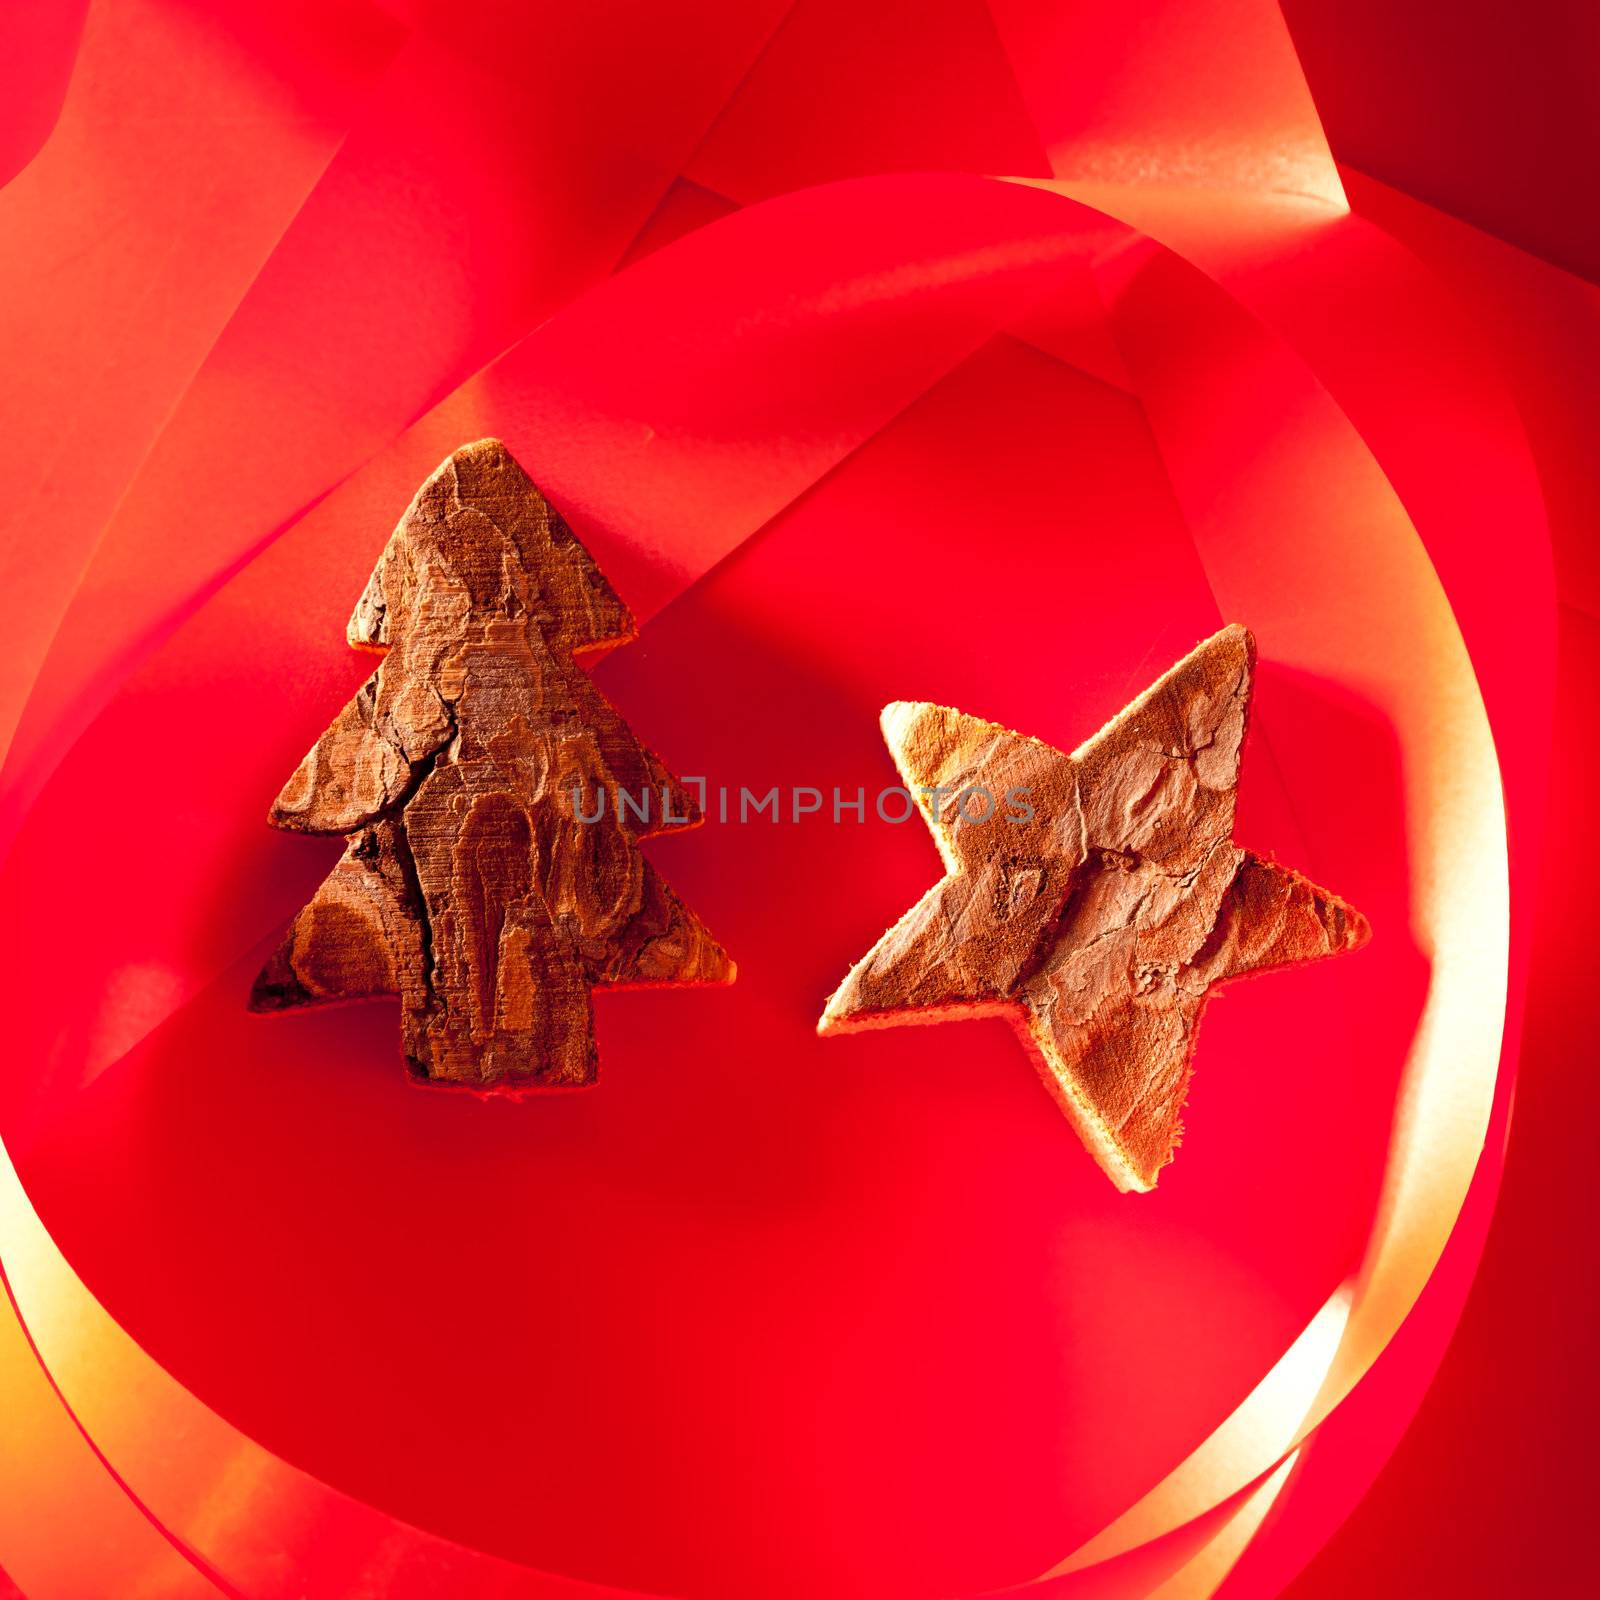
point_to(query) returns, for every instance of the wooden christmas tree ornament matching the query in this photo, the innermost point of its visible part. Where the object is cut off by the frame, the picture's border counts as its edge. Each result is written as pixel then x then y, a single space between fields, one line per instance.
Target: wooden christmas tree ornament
pixel 462 772
pixel 1101 923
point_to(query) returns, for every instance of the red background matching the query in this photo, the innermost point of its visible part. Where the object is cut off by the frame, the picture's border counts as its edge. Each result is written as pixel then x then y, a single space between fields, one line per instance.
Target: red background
pixel 1464 110
pixel 1488 113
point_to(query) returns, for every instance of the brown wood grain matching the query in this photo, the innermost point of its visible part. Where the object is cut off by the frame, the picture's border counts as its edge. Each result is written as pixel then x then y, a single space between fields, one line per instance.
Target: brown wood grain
pixel 1101 923
pixel 470 887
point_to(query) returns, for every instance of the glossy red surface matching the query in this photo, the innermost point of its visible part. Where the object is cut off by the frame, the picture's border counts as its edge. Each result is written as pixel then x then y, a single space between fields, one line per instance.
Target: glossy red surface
pixel 764 1314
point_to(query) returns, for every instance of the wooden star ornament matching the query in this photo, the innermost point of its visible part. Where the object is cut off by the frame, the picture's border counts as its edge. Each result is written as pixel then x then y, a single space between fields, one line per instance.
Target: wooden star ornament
pixel 1101 906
